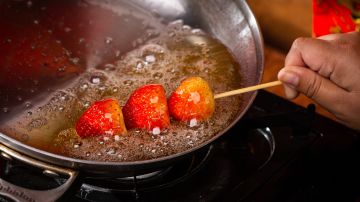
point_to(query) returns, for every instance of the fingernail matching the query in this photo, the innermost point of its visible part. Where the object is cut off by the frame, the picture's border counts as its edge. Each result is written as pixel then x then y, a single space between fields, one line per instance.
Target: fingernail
pixel 289 77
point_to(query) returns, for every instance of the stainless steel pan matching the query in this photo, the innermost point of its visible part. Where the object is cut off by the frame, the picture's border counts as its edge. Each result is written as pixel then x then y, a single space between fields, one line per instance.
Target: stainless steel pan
pixel 230 21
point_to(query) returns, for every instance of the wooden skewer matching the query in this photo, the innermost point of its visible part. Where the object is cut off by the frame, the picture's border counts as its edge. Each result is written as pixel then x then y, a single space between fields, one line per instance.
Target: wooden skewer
pixel 247 89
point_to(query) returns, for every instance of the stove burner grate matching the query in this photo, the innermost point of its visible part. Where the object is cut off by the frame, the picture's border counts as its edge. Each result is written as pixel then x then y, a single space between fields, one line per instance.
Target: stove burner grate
pixel 157 180
pixel 255 149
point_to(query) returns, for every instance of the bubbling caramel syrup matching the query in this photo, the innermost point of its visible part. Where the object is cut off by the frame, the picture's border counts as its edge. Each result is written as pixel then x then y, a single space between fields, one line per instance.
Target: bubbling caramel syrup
pixel 162 53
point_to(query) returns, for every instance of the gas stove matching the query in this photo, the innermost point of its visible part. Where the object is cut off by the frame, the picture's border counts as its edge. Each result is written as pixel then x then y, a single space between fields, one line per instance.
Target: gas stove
pixel 277 152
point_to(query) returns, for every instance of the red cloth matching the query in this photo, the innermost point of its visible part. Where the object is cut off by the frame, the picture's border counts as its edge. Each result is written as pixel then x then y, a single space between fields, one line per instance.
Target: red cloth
pixel 334 16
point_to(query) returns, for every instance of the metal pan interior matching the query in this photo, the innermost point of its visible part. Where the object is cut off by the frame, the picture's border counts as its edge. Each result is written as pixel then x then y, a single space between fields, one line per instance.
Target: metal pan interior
pixel 230 22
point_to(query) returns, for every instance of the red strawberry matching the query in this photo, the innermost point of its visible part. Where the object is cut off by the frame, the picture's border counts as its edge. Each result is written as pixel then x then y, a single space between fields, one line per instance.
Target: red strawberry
pixel 102 118
pixel 147 109
pixel 193 99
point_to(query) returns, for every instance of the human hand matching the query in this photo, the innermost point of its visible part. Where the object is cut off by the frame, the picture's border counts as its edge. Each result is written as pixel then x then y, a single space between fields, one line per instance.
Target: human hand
pixel 326 69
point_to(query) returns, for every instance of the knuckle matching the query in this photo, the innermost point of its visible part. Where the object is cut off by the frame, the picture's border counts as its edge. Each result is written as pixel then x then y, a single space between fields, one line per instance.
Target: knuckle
pixel 350 42
pixel 299 42
pixel 294 54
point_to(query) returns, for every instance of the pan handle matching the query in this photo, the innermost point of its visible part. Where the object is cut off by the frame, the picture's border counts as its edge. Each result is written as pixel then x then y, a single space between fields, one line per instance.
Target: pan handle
pixel 21 194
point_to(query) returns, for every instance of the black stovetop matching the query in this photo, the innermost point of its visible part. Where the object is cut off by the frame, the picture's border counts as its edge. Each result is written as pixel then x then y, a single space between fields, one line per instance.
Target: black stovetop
pixel 277 152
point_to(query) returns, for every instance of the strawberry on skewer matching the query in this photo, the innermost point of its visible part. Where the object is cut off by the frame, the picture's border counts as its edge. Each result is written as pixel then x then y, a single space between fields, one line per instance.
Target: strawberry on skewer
pixel 102 118
pixel 193 100
pixel 147 109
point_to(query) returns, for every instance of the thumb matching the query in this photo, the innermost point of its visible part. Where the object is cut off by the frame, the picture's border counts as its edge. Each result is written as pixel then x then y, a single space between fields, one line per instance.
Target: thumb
pixel 322 90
